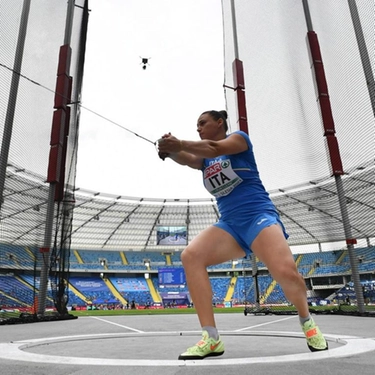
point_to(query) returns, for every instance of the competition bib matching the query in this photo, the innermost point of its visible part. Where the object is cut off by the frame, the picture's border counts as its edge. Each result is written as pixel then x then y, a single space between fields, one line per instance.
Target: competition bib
pixel 220 179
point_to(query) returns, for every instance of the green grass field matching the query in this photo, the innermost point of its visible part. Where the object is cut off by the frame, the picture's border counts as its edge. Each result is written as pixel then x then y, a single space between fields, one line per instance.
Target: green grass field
pixel 279 310
pixel 229 310
pixel 153 312
pixel 15 314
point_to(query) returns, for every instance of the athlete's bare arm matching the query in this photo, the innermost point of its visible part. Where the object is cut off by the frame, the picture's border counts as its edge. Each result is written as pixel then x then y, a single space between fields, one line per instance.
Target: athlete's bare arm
pixel 192 153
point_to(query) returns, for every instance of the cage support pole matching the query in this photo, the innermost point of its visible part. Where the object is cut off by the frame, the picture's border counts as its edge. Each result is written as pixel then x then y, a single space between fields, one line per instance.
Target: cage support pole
pixel 365 59
pixel 62 90
pixel 12 101
pixel 239 88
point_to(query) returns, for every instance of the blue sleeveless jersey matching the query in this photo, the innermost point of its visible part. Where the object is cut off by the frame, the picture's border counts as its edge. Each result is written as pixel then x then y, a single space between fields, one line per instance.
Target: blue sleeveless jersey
pixel 234 181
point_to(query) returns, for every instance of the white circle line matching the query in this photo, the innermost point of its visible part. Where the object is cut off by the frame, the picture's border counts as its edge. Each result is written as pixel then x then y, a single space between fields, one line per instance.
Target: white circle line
pixel 14 351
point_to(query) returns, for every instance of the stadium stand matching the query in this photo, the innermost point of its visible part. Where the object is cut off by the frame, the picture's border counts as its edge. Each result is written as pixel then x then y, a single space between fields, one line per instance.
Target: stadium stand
pixel 102 280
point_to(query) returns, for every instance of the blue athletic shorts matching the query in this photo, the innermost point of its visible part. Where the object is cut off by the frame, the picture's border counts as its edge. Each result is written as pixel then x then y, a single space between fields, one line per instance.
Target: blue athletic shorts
pixel 246 229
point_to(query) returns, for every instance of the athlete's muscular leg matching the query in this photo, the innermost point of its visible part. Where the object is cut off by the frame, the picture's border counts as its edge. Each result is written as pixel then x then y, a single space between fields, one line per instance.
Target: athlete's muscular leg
pixel 212 246
pixel 271 247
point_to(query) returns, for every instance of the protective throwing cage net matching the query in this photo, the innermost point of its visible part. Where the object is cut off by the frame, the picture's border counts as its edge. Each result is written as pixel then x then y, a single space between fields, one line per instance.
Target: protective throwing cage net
pixel 41 67
pixel 309 78
pixel 317 204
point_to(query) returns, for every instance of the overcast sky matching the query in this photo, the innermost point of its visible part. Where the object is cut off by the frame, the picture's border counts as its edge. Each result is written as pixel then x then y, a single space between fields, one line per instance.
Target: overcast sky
pixel 183 41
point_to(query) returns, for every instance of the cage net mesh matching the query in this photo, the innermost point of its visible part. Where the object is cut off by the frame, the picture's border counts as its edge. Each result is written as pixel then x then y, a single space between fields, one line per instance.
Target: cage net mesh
pixel 285 127
pixel 31 36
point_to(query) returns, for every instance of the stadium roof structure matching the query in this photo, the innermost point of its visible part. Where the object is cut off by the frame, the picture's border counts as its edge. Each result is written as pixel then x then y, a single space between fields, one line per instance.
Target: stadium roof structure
pixel 311 213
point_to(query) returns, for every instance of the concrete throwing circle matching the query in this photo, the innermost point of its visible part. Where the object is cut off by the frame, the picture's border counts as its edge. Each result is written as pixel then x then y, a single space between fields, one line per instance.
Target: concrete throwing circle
pixel 351 345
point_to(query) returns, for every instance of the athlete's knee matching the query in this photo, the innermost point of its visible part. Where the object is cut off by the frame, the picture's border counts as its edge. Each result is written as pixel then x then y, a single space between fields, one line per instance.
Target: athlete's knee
pixel 188 256
pixel 287 273
pixel 193 257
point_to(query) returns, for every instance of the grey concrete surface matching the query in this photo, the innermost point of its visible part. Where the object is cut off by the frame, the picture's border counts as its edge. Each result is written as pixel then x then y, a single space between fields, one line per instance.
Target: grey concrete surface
pixel 270 344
